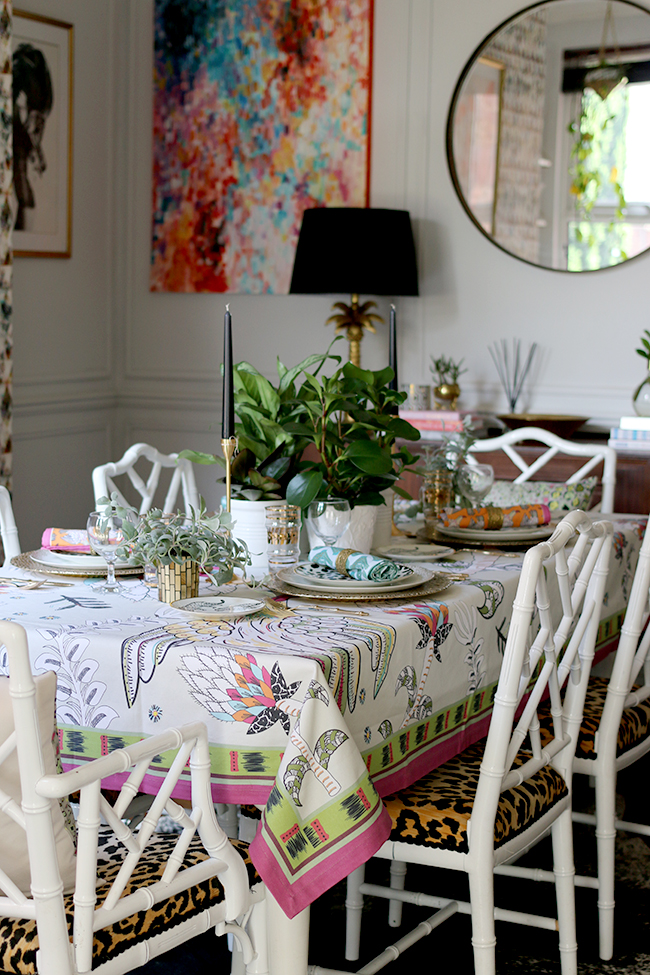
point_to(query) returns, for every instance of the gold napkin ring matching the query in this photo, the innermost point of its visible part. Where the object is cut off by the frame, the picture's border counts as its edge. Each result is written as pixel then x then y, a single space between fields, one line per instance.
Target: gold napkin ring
pixel 341 560
pixel 494 517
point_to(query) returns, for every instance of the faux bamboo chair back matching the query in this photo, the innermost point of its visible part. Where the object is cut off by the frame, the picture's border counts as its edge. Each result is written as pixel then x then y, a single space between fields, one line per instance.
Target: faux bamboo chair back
pixel 190 901
pixel 615 734
pixel 182 478
pixel 517 785
pixel 10 542
pixel 556 445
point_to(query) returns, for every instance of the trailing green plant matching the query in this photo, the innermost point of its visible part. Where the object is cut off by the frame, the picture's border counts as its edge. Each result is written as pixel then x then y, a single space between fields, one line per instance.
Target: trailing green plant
pixel 268 450
pixel 590 171
pixel 445 371
pixel 351 419
pixel 163 539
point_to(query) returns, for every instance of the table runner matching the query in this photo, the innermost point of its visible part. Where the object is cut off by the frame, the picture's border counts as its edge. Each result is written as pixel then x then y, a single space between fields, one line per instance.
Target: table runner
pixel 314 709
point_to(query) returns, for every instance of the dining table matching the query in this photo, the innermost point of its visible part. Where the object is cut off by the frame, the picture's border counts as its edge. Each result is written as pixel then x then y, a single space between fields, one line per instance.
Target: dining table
pixel 316 707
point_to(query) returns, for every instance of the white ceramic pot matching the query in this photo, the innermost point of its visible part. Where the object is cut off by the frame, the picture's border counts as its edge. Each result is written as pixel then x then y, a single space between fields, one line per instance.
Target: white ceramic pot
pixel 383 532
pixel 250 527
pixel 359 533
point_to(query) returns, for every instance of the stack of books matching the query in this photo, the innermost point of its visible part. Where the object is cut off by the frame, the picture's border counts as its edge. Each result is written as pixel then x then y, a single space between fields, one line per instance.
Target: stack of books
pixel 432 424
pixel 633 434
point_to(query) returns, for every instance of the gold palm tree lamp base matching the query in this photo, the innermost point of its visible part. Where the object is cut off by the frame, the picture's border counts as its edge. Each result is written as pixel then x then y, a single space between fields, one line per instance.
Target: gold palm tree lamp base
pixel 352 319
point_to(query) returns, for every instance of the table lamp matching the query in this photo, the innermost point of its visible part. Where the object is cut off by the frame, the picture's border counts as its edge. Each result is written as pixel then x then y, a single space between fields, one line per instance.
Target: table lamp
pixel 356 250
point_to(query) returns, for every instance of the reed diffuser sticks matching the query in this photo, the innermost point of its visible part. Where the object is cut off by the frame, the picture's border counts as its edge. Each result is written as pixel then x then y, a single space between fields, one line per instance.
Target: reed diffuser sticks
pixel 511 367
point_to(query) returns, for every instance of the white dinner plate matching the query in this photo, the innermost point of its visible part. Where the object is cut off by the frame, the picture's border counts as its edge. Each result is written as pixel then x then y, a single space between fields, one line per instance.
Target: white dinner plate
pixel 73 560
pixel 416 578
pixel 218 607
pixel 528 534
pixel 413 552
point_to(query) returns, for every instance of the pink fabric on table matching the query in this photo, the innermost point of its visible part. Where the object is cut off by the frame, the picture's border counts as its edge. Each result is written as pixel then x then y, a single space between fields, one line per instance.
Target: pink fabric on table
pixel 65 540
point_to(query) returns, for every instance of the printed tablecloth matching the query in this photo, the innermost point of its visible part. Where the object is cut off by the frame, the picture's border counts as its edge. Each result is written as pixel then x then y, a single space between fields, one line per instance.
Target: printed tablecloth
pixel 313 708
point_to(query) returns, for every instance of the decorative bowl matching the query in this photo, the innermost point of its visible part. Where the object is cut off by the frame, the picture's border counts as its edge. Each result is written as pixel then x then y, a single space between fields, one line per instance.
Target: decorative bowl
pixel 561 426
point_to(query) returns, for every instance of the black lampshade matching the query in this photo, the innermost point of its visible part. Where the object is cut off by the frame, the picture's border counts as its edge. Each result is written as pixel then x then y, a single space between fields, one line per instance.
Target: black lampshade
pixel 355 250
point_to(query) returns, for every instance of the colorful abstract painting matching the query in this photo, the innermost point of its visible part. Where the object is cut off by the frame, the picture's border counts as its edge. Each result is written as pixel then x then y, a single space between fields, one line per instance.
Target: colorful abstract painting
pixel 261 109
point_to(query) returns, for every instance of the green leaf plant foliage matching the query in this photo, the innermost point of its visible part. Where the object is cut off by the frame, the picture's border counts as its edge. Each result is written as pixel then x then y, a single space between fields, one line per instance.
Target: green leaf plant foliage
pixel 163 539
pixel 350 418
pixel 268 451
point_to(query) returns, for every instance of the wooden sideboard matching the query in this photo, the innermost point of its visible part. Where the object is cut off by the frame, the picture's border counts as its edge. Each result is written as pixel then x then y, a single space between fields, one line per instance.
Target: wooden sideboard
pixel 632 474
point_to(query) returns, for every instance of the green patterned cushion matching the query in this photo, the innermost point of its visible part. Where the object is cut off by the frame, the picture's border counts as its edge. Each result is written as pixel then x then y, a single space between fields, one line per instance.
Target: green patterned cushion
pixel 558 497
pixel 435 810
pixel 19 939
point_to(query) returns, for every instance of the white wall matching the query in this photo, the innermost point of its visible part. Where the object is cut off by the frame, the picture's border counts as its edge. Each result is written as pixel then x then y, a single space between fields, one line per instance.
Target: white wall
pixel 162 384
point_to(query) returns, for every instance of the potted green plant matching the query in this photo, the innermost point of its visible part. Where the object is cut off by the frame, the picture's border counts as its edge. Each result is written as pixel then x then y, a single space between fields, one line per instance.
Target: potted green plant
pixel 268 450
pixel 351 420
pixel 180 545
pixel 446 373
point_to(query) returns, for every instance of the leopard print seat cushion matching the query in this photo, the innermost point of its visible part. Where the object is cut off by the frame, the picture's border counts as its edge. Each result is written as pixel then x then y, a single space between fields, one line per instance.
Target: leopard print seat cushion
pixel 19 939
pixel 436 809
pixel 634 726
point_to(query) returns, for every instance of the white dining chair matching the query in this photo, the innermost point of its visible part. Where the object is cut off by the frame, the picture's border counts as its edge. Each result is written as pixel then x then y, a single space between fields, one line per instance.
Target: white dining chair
pixel 615 734
pixel 8 529
pixel 487 805
pixel 182 478
pixel 131 895
pixel 595 454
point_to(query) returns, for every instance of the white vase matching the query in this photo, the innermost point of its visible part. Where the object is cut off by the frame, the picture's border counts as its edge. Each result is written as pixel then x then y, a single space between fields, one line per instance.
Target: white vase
pixel 250 527
pixel 383 533
pixel 358 535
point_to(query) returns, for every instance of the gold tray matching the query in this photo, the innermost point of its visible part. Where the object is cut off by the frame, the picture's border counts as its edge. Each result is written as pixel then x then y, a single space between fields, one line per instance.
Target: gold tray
pixel 439 582
pixel 25 561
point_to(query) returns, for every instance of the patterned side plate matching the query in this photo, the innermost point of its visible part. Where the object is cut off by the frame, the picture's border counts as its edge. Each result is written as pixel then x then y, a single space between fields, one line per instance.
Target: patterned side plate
pixel 415 577
pixel 326 576
pixel 438 583
pixel 218 607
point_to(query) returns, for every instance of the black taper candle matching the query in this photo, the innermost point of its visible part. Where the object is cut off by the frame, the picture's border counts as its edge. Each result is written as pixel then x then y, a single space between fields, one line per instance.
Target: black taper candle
pixel 228 400
pixel 392 348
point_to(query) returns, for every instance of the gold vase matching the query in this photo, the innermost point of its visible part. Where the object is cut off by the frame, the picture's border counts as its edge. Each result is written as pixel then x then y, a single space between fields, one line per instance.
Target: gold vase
pixel 178 581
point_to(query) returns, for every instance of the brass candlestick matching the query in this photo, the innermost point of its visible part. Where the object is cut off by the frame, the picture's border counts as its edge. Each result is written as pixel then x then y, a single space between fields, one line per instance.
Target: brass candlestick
pixel 228 446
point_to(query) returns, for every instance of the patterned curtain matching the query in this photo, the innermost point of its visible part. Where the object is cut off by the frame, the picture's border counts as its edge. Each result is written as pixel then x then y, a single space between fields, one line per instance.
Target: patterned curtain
pixel 6 221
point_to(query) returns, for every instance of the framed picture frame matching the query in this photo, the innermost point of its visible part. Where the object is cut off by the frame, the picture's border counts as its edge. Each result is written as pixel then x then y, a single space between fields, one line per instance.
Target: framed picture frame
pixel 42 57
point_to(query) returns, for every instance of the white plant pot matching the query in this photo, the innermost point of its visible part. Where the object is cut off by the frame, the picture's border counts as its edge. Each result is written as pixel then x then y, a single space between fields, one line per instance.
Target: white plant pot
pixel 358 535
pixel 383 533
pixel 250 527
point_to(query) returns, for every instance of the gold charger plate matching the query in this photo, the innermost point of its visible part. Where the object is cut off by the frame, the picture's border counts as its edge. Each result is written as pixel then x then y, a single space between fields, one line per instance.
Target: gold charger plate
pixel 25 561
pixel 439 582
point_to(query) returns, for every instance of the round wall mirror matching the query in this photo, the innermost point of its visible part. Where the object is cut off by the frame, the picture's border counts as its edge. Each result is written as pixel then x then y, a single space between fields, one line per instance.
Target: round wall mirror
pixel 548 136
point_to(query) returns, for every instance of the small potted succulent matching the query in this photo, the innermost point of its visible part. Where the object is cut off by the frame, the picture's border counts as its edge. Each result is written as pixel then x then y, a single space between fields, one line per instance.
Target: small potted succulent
pixel 446 373
pixel 180 545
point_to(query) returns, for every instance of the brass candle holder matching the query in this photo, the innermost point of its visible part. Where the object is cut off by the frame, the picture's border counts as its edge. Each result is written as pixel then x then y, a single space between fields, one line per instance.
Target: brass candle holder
pixel 229 447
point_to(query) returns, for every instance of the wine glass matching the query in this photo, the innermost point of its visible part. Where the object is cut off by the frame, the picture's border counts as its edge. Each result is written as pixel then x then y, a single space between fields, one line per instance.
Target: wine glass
pixel 105 535
pixel 329 518
pixel 475 481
